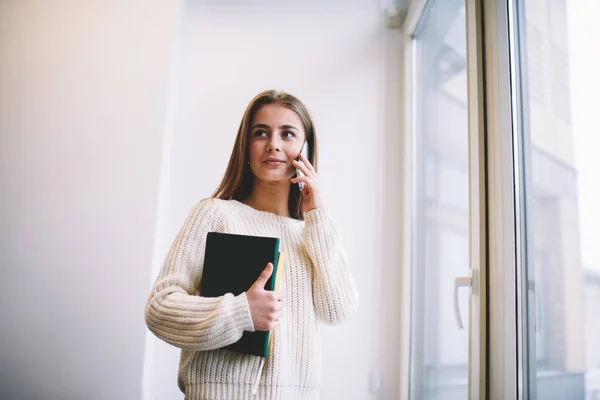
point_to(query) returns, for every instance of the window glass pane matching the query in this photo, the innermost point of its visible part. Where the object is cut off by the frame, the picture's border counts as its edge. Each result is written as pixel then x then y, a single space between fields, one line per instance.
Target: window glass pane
pixel 561 43
pixel 439 350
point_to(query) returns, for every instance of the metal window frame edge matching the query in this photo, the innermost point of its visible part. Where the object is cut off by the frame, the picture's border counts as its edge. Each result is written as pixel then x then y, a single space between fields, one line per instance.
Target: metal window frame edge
pixel 526 388
pixel 414 14
pixel 410 22
pixel 477 202
pixel 504 271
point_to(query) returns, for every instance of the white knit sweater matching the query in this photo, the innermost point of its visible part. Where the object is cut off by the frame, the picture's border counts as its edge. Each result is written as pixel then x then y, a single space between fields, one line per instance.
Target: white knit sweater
pixel 318 283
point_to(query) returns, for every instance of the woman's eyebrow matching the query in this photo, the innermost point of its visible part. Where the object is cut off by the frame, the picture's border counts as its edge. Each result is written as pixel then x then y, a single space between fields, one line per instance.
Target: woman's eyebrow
pixel 263 126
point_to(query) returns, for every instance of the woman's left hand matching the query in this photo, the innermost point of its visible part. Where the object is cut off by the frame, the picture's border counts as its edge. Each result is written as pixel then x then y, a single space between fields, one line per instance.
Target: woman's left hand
pixel 311 198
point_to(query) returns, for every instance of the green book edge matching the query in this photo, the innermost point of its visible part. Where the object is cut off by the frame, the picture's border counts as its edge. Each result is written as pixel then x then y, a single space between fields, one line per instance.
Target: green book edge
pixel 272 287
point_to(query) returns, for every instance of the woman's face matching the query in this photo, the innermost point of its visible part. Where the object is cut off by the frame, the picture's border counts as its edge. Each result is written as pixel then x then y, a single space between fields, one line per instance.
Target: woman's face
pixel 276 138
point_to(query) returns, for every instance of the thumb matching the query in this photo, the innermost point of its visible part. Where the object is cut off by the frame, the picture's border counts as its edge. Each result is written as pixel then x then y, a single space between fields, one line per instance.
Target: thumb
pixel 264 277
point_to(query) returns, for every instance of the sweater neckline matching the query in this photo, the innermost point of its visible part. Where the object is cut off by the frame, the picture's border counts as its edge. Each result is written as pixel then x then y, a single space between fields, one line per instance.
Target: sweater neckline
pixel 266 215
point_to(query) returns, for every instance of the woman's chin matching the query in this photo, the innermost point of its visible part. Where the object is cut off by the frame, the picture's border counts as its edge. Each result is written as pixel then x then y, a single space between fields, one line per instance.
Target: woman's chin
pixel 274 179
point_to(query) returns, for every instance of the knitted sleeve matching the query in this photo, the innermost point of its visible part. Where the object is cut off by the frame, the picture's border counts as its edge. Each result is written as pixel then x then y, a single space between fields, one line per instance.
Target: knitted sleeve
pixel 335 296
pixel 174 313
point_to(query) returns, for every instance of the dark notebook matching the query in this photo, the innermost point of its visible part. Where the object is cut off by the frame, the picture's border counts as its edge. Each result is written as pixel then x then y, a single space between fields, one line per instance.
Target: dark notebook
pixel 232 263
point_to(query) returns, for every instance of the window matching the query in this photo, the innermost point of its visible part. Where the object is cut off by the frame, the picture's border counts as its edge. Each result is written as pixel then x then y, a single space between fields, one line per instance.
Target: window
pixel 504 135
pixel 559 87
pixel 439 350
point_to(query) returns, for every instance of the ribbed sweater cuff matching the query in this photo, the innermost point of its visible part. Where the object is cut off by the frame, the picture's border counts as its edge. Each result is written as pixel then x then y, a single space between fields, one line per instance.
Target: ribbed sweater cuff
pixel 214 391
pixel 318 215
pixel 240 310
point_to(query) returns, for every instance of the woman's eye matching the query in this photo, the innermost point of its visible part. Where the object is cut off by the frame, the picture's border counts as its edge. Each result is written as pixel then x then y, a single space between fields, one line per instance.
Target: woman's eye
pixel 288 134
pixel 260 133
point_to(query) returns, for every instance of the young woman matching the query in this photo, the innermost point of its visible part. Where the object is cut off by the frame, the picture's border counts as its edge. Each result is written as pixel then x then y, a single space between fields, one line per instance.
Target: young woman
pixel 259 196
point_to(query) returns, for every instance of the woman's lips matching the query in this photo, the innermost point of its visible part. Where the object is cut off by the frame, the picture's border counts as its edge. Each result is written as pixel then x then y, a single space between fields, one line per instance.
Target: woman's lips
pixel 273 163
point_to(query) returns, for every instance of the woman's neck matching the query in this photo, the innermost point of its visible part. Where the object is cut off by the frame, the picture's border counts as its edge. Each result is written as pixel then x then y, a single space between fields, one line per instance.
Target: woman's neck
pixel 270 197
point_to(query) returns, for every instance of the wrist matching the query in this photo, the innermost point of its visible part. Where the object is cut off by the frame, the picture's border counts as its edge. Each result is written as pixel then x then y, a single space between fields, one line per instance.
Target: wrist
pixel 316 215
pixel 241 305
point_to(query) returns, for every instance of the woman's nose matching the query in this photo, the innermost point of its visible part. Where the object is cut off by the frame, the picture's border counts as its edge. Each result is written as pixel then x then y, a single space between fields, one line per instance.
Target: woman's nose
pixel 274 144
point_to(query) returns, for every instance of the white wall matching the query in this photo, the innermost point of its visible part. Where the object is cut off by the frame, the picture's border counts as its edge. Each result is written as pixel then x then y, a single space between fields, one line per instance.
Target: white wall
pixel 344 64
pixel 83 89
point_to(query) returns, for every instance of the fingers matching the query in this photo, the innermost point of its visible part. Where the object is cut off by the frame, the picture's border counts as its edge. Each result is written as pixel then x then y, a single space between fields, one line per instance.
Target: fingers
pixel 275 298
pixel 307 163
pixel 281 295
pixel 272 323
pixel 267 314
pixel 304 179
pixel 302 167
pixel 307 180
pixel 305 167
pixel 264 276
pixel 279 315
pixel 278 306
pixel 267 307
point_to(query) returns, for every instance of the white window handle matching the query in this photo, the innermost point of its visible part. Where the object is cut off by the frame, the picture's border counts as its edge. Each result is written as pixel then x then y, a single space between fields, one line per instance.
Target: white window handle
pixel 460 281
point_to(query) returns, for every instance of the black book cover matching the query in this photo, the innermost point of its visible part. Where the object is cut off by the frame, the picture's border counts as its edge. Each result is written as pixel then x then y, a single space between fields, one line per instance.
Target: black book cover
pixel 232 263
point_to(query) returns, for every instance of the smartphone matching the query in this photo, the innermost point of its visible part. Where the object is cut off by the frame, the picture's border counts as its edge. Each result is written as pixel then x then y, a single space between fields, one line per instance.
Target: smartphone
pixel 305 153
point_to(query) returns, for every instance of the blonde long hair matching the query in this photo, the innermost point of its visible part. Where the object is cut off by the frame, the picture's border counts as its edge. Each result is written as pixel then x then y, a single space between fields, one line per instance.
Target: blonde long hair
pixel 238 179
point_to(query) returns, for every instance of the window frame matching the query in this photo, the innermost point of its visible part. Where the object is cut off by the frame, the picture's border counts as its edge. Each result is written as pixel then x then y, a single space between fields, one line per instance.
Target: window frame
pixel 477 196
pixel 499 137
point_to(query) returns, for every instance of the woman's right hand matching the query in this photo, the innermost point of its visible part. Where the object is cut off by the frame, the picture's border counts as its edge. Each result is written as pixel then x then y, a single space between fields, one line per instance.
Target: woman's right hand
pixel 266 306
